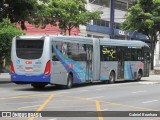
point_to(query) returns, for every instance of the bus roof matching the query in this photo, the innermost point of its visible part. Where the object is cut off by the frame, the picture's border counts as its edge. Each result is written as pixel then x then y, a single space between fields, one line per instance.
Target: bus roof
pixel 88 40
pixel 74 39
pixel 103 41
pixel 30 37
pixel 117 42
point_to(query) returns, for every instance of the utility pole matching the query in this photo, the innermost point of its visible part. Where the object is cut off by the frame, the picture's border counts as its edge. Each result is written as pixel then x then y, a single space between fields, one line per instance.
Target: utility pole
pixel 112 7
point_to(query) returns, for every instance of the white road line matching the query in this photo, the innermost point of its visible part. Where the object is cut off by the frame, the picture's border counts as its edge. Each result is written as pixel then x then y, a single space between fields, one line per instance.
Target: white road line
pixel 99 89
pixel 53 119
pixel 29 106
pixel 64 92
pixel 148 83
pixel 95 97
pixel 150 101
pixel 82 90
pixel 138 91
pixel 104 110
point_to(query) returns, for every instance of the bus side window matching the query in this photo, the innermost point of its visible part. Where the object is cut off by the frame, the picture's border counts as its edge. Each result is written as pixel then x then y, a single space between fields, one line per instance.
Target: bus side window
pixel 147 56
pixel 108 53
pixel 140 54
pixel 54 57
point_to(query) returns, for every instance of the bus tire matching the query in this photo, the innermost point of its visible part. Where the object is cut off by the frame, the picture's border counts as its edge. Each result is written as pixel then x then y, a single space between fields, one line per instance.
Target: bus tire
pixel 111 77
pixel 38 85
pixel 140 73
pixel 69 81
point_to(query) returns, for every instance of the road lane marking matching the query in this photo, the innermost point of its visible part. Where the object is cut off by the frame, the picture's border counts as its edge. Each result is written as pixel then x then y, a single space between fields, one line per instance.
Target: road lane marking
pixel 45 102
pixel 43 105
pixel 59 107
pixel 104 110
pixel 53 119
pixel 152 119
pixel 129 106
pixel 8 118
pixel 138 91
pixel 25 96
pixel 20 103
pixel 148 83
pixel 150 101
pixel 100 89
pixel 94 97
pixel 29 106
pixel 99 110
pixel 82 91
pixel 113 103
pixel 64 92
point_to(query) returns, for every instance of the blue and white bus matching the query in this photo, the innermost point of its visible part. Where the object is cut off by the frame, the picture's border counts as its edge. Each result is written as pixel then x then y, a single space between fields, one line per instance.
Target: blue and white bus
pixel 69 60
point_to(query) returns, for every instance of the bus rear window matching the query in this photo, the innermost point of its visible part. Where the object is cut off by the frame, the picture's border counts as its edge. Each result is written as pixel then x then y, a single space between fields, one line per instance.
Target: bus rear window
pixel 29 49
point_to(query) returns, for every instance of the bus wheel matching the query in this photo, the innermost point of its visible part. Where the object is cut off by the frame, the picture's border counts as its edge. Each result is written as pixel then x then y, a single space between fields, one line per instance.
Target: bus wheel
pixel 139 75
pixel 69 81
pixel 38 85
pixel 111 78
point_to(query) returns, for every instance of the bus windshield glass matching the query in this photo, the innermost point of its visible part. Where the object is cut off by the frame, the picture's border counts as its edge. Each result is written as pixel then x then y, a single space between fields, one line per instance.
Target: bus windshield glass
pixel 29 49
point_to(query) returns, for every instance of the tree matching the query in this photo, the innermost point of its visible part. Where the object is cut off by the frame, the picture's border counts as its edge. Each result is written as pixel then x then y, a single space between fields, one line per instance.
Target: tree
pixel 7 32
pixel 145 17
pixel 70 13
pixel 19 11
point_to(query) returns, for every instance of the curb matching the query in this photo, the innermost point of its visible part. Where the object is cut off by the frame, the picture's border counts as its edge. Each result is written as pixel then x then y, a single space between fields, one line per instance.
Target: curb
pixel 4 74
pixel 5 78
pixel 154 72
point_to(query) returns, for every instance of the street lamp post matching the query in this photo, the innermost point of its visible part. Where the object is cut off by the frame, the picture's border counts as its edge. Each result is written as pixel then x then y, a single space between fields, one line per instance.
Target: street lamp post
pixel 112 7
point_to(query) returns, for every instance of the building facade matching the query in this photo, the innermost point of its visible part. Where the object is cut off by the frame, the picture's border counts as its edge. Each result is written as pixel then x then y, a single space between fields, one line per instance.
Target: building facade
pixel 101 27
pixel 48 30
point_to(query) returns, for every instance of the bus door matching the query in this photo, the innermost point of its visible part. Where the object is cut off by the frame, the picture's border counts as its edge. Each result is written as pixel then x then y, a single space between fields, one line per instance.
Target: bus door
pixel 146 63
pixel 120 57
pixel 89 71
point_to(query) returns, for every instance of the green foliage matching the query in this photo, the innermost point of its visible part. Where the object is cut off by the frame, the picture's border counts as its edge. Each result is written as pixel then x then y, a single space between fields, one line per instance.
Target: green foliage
pixel 22 10
pixel 144 17
pixel 7 32
pixel 70 13
pixel 43 15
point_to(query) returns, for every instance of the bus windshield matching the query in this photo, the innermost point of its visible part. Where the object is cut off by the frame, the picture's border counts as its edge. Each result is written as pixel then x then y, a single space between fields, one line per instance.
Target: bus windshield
pixel 29 49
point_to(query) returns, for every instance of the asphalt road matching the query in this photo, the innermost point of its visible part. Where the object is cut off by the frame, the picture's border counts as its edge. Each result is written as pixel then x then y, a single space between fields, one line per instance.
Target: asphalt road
pixel 87 101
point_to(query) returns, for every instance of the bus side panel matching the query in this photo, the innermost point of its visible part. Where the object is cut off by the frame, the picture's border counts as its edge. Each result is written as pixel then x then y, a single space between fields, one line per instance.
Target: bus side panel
pixel 131 69
pixel 65 65
pixel 106 68
pixel 58 73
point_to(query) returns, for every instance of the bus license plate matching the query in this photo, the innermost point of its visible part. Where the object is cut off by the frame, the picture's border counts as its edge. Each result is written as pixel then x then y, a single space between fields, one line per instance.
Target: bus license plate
pixel 28 69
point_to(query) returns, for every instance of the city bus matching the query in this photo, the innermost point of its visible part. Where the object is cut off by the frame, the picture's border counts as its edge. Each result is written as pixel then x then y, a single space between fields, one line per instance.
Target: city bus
pixel 70 60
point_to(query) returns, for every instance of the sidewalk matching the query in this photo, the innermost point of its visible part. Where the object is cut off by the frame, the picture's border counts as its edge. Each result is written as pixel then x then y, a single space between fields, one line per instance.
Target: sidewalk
pixel 152 78
pixel 4 77
pixel 157 68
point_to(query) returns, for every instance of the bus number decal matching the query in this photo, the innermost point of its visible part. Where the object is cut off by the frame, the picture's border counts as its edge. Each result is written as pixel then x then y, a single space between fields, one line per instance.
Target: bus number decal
pixel 28 62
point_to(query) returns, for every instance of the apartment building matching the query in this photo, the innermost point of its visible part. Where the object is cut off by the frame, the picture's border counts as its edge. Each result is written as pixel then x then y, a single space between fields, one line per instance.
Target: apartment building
pixel 100 27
